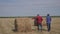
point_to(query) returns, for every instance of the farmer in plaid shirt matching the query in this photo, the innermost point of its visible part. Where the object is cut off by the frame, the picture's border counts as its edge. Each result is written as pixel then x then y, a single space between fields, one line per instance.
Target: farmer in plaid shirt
pixel 39 22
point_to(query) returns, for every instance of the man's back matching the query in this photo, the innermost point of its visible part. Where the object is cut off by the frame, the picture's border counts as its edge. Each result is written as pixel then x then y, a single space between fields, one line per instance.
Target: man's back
pixel 48 19
pixel 39 19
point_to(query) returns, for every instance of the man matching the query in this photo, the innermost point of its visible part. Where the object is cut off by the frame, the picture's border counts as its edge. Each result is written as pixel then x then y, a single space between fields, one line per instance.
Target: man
pixel 39 22
pixel 35 21
pixel 15 25
pixel 48 21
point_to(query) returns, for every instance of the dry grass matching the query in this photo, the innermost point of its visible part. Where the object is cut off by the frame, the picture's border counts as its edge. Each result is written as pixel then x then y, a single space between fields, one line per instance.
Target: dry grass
pixel 7 25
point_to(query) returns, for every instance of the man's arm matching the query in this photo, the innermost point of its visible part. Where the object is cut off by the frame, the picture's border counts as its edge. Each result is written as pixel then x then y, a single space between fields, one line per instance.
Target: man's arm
pixel 50 19
pixel 41 18
pixel 46 18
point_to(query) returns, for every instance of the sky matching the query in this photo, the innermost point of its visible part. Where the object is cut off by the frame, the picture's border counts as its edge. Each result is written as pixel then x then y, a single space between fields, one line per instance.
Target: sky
pixel 29 7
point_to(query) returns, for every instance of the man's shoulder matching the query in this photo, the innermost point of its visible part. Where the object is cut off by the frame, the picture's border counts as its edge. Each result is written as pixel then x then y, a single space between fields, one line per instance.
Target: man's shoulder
pixel 48 16
pixel 38 16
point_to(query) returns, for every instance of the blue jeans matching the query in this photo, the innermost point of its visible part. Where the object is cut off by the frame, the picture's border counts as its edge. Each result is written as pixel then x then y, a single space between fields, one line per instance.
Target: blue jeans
pixel 49 26
pixel 40 27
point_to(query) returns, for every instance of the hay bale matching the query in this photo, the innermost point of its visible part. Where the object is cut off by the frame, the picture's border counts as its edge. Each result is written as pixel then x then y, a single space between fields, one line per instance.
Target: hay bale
pixel 23 24
pixel 28 25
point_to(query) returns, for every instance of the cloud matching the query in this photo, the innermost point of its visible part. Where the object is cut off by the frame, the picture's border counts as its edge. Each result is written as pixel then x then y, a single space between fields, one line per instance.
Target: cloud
pixel 7 1
pixel 29 7
pixel 40 3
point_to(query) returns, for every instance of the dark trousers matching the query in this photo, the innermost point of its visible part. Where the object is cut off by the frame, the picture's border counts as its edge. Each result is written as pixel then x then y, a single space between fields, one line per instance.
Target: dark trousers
pixel 40 27
pixel 16 26
pixel 48 26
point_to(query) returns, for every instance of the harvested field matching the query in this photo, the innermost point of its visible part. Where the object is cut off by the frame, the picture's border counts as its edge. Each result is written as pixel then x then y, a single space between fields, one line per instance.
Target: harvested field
pixel 7 26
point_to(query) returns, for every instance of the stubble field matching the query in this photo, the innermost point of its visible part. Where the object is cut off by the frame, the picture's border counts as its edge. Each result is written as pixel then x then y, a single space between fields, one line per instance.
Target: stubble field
pixel 7 26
